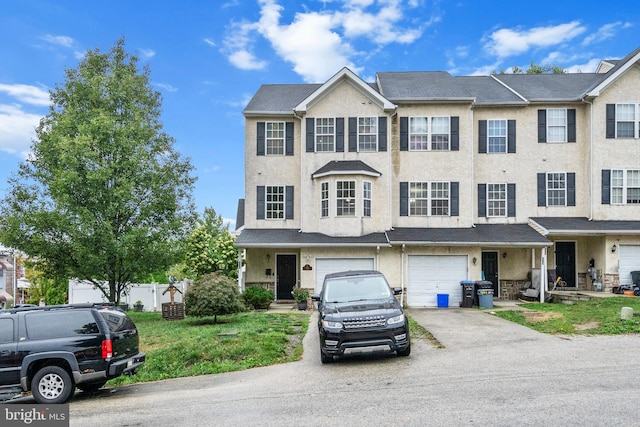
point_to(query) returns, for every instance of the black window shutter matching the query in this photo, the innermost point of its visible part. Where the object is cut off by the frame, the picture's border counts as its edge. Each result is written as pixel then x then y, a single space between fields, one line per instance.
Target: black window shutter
pixel 404 133
pixel 571 189
pixel 455 133
pixel 482 136
pixel 288 195
pixel 455 199
pixel 260 141
pixel 511 136
pixel 353 134
pixel 340 134
pixel 511 200
pixel 482 200
pixel 542 189
pixel 571 125
pixel 606 186
pixel 611 120
pixel 404 199
pixel 311 135
pixel 382 134
pixel 260 202
pixel 288 135
pixel 542 125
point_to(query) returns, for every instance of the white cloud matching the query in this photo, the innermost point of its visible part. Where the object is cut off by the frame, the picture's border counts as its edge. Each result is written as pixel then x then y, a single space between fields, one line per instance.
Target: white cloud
pixel 210 42
pixel 318 44
pixel 166 87
pixel 17 129
pixel 605 32
pixel 146 53
pixel 59 40
pixel 25 93
pixel 509 42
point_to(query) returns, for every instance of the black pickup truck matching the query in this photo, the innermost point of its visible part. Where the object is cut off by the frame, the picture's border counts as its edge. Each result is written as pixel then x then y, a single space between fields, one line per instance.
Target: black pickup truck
pixel 51 350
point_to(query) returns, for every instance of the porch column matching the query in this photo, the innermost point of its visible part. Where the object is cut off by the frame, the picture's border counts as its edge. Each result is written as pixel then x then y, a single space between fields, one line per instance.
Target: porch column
pixel 543 274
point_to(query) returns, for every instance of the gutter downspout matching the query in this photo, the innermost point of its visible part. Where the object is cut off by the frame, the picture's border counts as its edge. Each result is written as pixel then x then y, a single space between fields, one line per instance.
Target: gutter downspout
pixel 590 158
pixel 404 292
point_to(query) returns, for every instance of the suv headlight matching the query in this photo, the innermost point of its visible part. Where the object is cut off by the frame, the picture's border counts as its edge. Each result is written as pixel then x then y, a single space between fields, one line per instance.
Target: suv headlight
pixel 327 324
pixel 395 320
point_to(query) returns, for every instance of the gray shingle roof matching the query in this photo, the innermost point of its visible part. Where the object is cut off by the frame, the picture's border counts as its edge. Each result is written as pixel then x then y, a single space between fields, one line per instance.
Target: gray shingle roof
pixel 279 98
pixel 551 87
pixel 289 238
pixel 498 234
pixel 570 225
pixel 346 166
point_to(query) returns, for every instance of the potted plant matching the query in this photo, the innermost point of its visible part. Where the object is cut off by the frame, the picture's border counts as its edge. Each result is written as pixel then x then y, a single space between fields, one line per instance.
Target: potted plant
pixel 300 295
pixel 138 306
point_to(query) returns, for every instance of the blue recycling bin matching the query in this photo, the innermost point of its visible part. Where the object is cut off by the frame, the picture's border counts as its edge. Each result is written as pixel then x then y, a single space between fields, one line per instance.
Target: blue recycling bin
pixel 443 300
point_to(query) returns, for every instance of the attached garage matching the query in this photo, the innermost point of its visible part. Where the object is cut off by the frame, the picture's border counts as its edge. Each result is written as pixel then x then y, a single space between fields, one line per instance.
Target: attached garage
pixel 629 260
pixel 430 275
pixel 326 266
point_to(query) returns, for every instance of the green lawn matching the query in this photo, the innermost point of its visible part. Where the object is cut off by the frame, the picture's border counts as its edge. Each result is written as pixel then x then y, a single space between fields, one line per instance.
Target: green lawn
pixel 599 316
pixel 198 346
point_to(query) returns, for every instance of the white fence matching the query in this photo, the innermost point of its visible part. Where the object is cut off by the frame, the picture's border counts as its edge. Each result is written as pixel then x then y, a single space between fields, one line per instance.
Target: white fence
pixel 152 295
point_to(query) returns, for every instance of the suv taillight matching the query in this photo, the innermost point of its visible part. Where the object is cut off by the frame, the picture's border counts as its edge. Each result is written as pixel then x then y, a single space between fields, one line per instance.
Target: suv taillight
pixel 107 349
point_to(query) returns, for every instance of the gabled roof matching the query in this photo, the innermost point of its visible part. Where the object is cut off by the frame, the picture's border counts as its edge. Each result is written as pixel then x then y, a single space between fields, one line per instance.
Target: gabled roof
pixel 289 238
pixel 613 74
pixel 341 76
pixel 514 235
pixel 278 99
pixel 551 87
pixel 582 226
pixel 346 167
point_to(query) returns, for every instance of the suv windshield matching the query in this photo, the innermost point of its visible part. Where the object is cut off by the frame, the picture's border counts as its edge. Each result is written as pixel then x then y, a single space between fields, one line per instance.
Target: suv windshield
pixel 357 288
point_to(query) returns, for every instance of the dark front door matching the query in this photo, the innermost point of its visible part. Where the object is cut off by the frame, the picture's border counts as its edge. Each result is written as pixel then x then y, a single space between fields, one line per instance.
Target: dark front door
pixel 566 262
pixel 285 276
pixel 490 269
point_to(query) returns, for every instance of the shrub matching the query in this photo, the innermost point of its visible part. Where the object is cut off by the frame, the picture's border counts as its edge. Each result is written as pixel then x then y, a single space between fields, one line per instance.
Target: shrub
pixel 212 295
pixel 258 297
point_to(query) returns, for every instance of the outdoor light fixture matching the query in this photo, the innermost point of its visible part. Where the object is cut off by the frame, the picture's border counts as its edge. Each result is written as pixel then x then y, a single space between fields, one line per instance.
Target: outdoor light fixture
pixel 613 248
pixel 268 257
pixel 504 255
pixel 474 260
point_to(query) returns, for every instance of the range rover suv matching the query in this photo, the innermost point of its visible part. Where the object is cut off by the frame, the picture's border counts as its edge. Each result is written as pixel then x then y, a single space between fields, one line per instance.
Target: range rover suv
pixel 358 310
pixel 51 350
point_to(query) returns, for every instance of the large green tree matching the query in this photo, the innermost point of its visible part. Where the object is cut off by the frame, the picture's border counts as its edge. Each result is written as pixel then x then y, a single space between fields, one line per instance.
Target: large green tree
pixel 103 197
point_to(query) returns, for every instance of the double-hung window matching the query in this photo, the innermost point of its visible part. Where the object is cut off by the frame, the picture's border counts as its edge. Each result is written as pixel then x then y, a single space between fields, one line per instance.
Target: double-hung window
pixel 496 200
pixel 346 198
pixel 626 119
pixel 497 136
pixel 557 189
pixel 274 138
pixel 274 197
pixel 625 186
pixel 429 133
pixel 325 134
pixel 367 134
pixel 366 198
pixel 324 200
pixel 429 198
pixel 557 125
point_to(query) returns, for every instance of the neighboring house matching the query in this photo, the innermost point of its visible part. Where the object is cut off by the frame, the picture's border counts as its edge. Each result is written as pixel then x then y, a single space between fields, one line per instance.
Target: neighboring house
pixel 434 179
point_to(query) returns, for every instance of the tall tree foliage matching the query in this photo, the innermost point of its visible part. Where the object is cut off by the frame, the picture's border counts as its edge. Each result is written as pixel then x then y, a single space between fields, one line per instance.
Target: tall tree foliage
pixel 103 196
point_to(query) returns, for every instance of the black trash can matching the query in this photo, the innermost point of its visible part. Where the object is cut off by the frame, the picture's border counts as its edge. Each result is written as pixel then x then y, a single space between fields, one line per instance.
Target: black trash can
pixel 468 293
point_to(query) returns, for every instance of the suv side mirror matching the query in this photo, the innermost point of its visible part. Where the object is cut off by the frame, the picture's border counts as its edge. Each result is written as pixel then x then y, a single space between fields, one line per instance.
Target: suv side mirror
pixel 397 291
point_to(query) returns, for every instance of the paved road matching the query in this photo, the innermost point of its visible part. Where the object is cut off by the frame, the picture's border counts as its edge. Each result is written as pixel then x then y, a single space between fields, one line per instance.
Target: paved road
pixel 492 372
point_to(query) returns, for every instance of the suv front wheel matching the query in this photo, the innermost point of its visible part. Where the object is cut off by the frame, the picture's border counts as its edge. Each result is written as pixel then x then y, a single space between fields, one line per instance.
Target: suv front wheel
pixel 51 385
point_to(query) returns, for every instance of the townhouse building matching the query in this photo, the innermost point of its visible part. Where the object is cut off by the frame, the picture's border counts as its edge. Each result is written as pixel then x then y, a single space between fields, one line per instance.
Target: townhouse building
pixel 434 179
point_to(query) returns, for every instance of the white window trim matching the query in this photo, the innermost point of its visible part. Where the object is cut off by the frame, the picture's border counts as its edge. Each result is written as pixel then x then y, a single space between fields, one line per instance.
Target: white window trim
pixel 566 126
pixel 506 136
pixel 636 120
pixel 317 134
pixel 365 199
pixel 430 198
pixel 323 199
pixel 283 188
pixel 505 200
pixel 375 134
pixel 548 190
pixel 267 139
pixel 429 133
pixel 355 198
pixel 624 187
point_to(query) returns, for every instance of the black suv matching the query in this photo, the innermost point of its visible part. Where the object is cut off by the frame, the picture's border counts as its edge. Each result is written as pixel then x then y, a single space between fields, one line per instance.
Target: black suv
pixel 52 350
pixel 358 309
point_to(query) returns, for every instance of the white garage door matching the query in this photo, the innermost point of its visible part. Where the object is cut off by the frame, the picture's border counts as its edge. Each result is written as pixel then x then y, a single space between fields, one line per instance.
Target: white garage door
pixel 629 260
pixel 325 266
pixel 430 275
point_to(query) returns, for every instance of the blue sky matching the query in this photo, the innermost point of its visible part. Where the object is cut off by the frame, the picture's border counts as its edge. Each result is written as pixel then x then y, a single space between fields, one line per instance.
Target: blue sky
pixel 207 58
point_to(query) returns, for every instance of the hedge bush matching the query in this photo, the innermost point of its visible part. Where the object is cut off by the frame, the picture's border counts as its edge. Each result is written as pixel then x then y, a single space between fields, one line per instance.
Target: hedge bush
pixel 258 297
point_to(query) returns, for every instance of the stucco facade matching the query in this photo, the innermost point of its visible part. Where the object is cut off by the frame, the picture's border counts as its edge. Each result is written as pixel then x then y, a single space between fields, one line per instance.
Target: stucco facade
pixel 434 179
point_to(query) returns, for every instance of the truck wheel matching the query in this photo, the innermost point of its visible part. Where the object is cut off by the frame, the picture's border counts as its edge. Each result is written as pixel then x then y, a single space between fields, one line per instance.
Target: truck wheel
pixel 405 352
pixel 51 385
